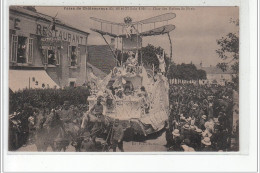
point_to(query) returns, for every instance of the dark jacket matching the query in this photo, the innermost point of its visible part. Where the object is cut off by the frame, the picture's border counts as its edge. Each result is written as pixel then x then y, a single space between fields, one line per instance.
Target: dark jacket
pixel 117 133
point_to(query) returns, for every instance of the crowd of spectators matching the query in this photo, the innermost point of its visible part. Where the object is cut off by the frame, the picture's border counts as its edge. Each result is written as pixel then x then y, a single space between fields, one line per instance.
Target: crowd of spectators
pixel 201 118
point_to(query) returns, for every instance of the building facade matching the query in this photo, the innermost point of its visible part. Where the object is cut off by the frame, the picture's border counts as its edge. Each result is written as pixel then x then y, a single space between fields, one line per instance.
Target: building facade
pixel 216 75
pixel 46 45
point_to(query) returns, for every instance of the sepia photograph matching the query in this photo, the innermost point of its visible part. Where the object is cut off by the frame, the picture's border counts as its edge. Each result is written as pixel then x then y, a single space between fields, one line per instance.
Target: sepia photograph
pixel 123 79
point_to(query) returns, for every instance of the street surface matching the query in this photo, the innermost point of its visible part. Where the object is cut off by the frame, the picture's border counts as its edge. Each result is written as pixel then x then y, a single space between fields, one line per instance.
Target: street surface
pixel 151 145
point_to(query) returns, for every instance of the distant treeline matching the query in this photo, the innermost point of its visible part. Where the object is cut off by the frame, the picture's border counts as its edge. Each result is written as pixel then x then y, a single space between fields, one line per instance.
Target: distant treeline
pixel 185 72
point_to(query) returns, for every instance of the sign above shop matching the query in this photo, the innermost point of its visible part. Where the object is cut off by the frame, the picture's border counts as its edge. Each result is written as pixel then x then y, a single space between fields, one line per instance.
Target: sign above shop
pixel 59 34
pixel 25 26
pixel 50 43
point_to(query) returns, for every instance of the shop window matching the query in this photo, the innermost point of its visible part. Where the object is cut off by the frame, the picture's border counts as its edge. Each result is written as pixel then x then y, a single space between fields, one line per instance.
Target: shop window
pixel 52 57
pixel 21 52
pixel 73 55
pixel 72 83
pixel 22 49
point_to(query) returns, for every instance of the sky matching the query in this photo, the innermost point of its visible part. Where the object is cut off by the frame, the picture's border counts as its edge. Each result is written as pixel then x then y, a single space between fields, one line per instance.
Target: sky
pixel 193 40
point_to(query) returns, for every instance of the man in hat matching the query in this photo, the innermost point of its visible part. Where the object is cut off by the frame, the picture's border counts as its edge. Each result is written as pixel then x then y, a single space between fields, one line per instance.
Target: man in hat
pixel 197 139
pixel 117 136
pixel 31 125
pixel 66 113
pixel 177 139
pixel 25 114
pixel 206 144
pixel 14 131
pixel 202 122
pixel 223 121
pixel 186 131
pixel 97 111
pixel 193 135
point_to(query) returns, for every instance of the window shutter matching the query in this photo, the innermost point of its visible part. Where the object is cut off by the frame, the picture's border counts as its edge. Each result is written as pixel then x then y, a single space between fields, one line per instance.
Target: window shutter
pixel 14 45
pixel 57 57
pixel 46 56
pixel 69 55
pixel 78 56
pixel 30 51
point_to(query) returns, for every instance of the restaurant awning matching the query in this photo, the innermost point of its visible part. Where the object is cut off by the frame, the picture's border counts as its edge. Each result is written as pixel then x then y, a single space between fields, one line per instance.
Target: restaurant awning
pixel 30 79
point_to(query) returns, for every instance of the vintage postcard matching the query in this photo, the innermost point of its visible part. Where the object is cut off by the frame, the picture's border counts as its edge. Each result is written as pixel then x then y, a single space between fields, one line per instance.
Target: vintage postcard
pixel 123 79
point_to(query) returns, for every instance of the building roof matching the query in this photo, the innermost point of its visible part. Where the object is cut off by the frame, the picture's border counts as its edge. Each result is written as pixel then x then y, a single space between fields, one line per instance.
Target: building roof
pixel 44 17
pixel 214 70
pixel 97 72
pixel 101 57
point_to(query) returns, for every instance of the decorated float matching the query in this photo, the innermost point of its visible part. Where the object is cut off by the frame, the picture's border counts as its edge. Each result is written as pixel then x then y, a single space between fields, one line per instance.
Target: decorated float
pixel 137 98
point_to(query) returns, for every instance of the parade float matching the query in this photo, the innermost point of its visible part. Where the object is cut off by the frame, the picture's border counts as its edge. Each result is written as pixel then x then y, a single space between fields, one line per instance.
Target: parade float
pixel 137 98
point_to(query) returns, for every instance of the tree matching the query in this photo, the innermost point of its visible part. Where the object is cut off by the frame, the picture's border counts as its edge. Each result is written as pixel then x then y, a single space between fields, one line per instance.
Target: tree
pixel 147 55
pixel 229 52
pixel 186 72
pixel 201 74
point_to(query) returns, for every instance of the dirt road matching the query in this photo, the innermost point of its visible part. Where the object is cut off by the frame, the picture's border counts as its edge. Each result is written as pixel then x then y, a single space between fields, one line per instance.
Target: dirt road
pixel 152 145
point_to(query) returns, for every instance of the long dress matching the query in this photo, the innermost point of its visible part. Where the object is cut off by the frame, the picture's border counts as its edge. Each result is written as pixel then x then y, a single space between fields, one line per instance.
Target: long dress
pixel 161 63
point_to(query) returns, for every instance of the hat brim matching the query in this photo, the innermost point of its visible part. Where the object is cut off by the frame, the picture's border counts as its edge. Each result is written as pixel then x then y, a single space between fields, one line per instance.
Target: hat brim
pixel 176 134
pixel 186 127
pixel 198 131
pixel 209 143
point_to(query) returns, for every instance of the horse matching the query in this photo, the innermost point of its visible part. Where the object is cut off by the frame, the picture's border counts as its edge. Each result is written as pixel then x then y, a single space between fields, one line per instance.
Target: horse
pixel 41 134
pixel 50 132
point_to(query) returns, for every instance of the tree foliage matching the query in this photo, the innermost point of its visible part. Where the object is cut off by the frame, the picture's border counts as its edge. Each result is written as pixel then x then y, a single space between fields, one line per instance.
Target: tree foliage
pixel 229 53
pixel 186 72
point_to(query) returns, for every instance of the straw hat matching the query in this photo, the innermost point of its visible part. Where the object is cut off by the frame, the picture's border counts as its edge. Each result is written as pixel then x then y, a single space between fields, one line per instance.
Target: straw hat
pixel 186 126
pixel 192 127
pixel 207 124
pixel 12 115
pixel 187 148
pixel 206 141
pixel 100 93
pixel 215 120
pixel 204 117
pixel 189 119
pixel 191 149
pixel 206 133
pixel 176 132
pixel 195 106
pixel 199 130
